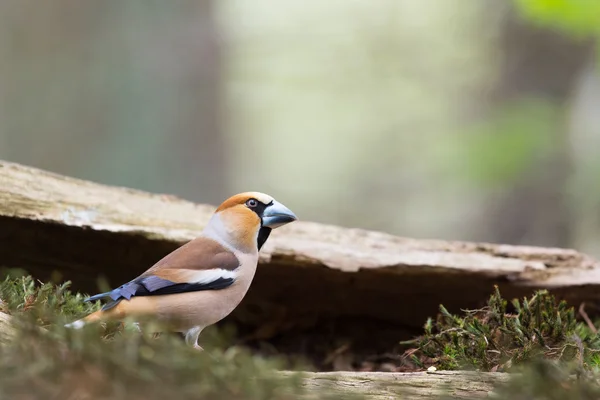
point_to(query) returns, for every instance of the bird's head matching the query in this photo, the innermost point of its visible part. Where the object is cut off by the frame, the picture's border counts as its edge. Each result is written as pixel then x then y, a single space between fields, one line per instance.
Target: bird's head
pixel 244 221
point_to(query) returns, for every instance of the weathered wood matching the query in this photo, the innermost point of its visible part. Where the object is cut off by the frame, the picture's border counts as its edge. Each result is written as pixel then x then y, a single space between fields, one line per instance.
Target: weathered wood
pixel 309 272
pixel 413 386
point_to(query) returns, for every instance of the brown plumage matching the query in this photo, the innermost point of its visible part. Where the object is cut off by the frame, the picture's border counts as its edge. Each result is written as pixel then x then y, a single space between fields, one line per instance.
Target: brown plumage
pixel 199 254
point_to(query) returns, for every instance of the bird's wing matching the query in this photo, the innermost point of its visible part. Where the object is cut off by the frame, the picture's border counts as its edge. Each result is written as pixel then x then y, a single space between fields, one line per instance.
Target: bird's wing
pixel 202 264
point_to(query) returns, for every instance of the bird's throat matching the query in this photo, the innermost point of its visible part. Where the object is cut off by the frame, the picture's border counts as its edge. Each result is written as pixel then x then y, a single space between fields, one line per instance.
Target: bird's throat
pixel 263 235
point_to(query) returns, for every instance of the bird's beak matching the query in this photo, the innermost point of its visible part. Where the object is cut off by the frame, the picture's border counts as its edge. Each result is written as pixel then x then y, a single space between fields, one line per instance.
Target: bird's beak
pixel 276 215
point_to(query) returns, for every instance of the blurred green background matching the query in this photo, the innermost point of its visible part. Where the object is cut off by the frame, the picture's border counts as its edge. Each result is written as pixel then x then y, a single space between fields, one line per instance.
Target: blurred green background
pixel 453 119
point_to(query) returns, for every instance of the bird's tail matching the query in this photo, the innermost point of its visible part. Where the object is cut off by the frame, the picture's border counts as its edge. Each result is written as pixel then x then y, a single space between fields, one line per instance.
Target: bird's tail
pixel 98 296
pixel 116 310
pixel 93 317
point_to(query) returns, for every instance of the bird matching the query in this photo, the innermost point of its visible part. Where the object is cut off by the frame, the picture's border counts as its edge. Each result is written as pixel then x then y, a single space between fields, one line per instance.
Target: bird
pixel 203 281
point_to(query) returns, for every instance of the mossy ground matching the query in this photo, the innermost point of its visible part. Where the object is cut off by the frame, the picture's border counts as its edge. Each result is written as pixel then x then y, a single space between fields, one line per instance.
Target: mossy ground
pixel 555 355
pixel 495 339
pixel 552 355
pixel 44 360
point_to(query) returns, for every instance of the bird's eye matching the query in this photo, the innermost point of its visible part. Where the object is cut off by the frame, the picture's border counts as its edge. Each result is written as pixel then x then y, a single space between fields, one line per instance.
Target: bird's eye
pixel 252 203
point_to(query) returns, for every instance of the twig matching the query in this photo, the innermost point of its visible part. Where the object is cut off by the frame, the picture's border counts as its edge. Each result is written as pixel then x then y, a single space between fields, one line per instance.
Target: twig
pixel 586 318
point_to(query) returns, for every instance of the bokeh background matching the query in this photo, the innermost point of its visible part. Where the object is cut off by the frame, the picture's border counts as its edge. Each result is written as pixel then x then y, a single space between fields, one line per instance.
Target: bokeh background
pixel 452 119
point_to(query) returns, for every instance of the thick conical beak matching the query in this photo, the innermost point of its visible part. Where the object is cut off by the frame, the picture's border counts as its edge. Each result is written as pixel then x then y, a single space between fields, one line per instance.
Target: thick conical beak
pixel 276 215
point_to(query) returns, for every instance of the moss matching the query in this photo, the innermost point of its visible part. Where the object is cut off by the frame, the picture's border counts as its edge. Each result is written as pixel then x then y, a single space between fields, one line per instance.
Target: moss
pixel 550 355
pixel 114 362
pixel 21 294
pixel 494 339
pixel 545 379
pixel 556 357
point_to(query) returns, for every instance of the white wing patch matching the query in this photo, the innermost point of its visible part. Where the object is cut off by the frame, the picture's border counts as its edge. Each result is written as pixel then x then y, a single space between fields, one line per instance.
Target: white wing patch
pixel 211 275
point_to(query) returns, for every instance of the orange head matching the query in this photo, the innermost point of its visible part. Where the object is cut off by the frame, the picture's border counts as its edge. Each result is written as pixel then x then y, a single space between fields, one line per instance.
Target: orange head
pixel 245 220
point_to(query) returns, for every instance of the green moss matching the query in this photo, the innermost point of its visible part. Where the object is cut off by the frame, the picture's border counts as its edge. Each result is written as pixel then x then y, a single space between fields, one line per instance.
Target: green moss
pixel 45 360
pixel 556 357
pixel 23 294
pixel 493 339
pixel 550 380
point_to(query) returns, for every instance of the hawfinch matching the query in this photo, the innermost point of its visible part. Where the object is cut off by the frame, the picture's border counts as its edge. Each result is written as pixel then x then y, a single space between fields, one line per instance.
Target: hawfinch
pixel 204 280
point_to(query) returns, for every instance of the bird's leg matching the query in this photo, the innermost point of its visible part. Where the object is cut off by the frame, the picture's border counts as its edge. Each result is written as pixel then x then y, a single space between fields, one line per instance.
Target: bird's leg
pixel 191 337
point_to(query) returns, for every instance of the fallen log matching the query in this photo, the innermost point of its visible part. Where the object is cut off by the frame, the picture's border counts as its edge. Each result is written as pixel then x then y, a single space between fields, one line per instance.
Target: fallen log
pixel 368 286
pixel 414 385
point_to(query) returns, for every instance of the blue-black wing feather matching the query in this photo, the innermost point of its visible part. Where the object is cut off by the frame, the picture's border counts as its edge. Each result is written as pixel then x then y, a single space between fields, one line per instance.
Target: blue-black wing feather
pixel 154 286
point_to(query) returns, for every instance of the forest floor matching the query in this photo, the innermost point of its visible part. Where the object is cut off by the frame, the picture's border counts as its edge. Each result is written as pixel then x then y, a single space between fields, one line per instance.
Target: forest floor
pixel 549 350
